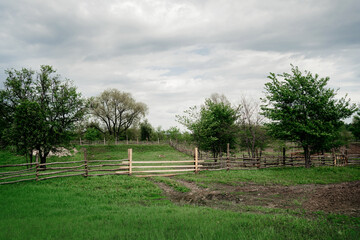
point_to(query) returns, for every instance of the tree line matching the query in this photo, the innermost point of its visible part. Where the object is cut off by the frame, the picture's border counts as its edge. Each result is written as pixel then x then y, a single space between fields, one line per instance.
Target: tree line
pixel 41 111
pixel 297 107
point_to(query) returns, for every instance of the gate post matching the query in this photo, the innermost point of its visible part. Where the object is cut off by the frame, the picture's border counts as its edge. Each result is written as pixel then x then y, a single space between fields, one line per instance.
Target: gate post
pixel 130 160
pixel 86 163
pixel 37 167
pixel 196 160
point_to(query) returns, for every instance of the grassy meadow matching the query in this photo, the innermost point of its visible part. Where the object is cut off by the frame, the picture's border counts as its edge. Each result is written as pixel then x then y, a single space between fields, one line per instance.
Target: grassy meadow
pixel 126 207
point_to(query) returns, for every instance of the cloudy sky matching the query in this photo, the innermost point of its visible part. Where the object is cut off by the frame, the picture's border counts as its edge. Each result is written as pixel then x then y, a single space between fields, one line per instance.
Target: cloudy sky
pixel 172 54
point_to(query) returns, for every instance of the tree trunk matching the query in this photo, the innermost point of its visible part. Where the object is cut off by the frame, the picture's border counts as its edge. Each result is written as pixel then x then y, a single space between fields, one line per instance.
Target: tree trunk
pixel 307 157
pixel 42 157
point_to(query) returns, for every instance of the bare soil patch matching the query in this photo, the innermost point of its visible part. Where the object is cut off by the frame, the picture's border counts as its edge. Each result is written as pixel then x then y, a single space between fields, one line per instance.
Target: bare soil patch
pixel 340 198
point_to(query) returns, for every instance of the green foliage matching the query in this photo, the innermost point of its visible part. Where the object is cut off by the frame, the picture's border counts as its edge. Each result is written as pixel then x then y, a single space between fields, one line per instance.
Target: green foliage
pixel 174 133
pixel 213 127
pixel 40 110
pixel 117 111
pixel 146 131
pixel 26 129
pixel 303 110
pixel 355 126
pixel 92 134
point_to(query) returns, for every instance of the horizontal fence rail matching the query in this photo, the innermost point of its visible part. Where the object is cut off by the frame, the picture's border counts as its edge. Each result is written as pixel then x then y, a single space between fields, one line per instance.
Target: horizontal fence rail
pixel 14 173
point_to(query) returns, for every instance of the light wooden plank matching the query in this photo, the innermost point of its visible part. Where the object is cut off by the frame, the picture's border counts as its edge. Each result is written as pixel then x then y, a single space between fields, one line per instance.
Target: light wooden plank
pixel 161 175
pixel 90 161
pixel 173 166
pixel 155 162
pixel 107 165
pixel 109 170
pixel 154 171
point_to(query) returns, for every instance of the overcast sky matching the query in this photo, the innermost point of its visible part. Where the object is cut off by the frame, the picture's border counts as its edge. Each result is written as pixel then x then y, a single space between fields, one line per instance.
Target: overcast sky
pixel 172 54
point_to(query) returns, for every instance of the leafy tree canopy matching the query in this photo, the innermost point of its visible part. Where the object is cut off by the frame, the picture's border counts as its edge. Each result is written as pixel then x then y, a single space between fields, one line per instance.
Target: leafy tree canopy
pixel 213 126
pixel 39 109
pixel 117 111
pixel 146 131
pixel 355 126
pixel 304 110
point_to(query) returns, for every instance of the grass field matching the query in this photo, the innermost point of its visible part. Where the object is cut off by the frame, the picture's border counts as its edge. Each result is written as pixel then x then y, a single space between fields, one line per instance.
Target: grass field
pixel 283 176
pixel 124 207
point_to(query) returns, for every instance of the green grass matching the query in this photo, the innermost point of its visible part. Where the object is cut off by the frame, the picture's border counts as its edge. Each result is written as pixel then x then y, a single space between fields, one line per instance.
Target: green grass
pixel 171 183
pixel 140 152
pixel 283 176
pixel 124 207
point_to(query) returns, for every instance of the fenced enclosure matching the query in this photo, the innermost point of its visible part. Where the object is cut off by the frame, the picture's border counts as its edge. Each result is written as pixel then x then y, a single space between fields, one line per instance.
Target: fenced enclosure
pixel 36 171
pixel 13 173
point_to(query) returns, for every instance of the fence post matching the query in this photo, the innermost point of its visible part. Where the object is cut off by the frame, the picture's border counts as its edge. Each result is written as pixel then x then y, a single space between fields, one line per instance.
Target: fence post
pixel 130 160
pixel 334 157
pixel 104 142
pixel 227 156
pixel 346 157
pixel 80 141
pixel 284 156
pixel 37 167
pixel 86 163
pixel 196 160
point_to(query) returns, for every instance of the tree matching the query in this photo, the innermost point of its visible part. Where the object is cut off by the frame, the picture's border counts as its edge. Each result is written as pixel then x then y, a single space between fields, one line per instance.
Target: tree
pixel 304 110
pixel 117 110
pixel 92 134
pixel 213 126
pixel 174 133
pixel 355 126
pixel 40 110
pixel 252 133
pixel 146 131
pixel 25 131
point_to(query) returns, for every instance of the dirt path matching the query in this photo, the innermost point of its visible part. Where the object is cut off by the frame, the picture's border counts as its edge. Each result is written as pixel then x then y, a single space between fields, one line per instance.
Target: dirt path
pixel 341 198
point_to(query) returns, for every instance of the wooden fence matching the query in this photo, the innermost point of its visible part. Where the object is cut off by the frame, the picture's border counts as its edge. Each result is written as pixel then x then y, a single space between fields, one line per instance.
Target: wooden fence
pixel 36 171
pixel 278 161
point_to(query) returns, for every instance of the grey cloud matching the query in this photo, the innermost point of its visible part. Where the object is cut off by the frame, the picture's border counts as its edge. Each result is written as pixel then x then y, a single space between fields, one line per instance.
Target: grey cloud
pixel 173 54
